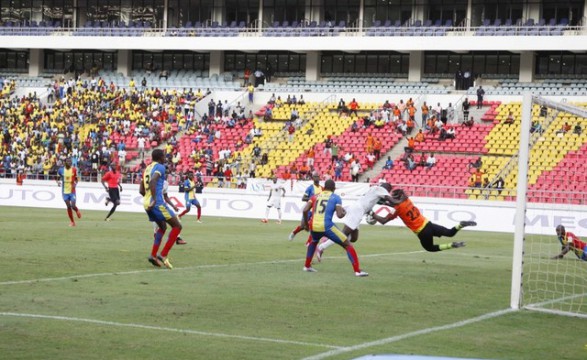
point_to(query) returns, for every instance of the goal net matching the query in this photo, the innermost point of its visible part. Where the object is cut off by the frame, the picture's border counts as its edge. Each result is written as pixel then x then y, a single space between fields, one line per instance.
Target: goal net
pixel 551 180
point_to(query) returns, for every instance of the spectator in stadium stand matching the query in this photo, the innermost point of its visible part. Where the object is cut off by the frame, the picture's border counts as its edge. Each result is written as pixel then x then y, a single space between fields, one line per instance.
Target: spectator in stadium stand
pixel 410 126
pixel 310 157
pixel 410 162
pixel 469 122
pixel 450 113
pixel 466 106
pixel 411 145
pixel 430 161
pixel 246 76
pixel 480 94
pixel 564 129
pixel 353 107
pixel 369 142
pixel 499 184
pixel 370 157
pixel 355 170
pixel 377 146
pixel 388 164
pixel 338 168
pixel 422 160
pixel 251 92
pixel 341 107
pixel 425 111
pixel 478 176
pixel 577 130
pixel 396 114
pixel 291 130
pixel 328 144
pixel 420 138
pixel 334 150
pixel 509 120
pixel 477 164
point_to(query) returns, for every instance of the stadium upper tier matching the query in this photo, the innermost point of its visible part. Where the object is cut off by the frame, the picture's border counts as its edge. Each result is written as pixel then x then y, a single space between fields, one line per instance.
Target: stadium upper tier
pixel 432 34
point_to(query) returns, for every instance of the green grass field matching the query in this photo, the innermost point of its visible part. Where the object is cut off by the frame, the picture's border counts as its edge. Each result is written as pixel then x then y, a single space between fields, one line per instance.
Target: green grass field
pixel 238 292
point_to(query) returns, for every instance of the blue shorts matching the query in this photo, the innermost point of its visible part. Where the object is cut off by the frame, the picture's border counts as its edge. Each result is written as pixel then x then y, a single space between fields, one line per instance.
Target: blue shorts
pixel 189 203
pixel 69 197
pixel 160 213
pixel 334 234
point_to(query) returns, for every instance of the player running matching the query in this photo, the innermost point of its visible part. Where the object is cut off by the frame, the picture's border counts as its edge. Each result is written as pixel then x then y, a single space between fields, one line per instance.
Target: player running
pixel 151 188
pixel 274 200
pixel 190 196
pixel 68 182
pixel 422 227
pixel 324 206
pixel 355 213
pixel 313 189
pixel 570 242
pixel 179 240
pixel 114 189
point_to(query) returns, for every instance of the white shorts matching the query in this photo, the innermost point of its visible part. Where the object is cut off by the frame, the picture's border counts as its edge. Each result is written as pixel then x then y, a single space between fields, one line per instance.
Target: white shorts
pixel 353 217
pixel 274 203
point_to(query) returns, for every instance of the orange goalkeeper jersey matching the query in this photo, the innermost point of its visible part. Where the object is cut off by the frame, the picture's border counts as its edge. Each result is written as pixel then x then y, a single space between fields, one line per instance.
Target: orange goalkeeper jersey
pixel 410 215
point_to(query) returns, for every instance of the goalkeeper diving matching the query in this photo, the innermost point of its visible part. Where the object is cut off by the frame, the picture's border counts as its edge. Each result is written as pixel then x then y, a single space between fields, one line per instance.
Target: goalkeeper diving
pixel 415 221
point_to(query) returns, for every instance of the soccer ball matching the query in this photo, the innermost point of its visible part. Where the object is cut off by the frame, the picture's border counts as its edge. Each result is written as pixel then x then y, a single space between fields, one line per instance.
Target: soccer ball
pixel 370 219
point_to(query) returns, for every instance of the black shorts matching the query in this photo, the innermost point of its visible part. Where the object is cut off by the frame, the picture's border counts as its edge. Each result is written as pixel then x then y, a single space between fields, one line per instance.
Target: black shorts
pixel 114 194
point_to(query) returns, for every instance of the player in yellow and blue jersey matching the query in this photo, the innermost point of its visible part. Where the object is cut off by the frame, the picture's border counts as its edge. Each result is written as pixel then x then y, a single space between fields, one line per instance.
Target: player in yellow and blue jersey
pixel 68 182
pixel 152 190
pixel 313 189
pixel 189 186
pixel 323 207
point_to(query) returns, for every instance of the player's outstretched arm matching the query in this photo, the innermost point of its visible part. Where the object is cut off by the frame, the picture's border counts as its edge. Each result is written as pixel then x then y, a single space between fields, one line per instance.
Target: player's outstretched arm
pixel 142 188
pixel 305 214
pixel 382 219
pixel 564 251
pixel 340 211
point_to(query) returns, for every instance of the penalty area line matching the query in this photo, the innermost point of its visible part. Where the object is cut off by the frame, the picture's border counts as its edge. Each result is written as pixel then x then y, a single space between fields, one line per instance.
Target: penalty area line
pixel 209 266
pixel 397 338
pixel 166 329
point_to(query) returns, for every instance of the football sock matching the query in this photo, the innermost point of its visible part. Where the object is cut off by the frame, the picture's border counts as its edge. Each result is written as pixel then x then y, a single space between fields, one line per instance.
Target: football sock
pixel 352 254
pixel 297 230
pixel 279 214
pixel 112 211
pixel 199 212
pixel 170 241
pixel 326 244
pixel 184 212
pixel 70 214
pixel 267 213
pixel 445 246
pixel 310 254
pixel 157 242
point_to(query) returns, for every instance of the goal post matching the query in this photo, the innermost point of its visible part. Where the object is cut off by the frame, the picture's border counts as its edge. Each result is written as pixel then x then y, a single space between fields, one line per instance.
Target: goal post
pixel 551 187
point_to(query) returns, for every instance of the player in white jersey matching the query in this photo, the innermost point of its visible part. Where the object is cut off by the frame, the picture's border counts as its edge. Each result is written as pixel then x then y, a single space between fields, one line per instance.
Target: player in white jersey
pixel 355 213
pixel 179 240
pixel 275 194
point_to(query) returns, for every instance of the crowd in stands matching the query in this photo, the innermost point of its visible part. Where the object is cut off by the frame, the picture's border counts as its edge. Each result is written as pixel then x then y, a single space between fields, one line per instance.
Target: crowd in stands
pixel 93 123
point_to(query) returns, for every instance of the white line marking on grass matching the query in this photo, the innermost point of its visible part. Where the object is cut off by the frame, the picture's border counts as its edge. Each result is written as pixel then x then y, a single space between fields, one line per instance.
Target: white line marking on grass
pixel 210 266
pixel 409 335
pixel 160 328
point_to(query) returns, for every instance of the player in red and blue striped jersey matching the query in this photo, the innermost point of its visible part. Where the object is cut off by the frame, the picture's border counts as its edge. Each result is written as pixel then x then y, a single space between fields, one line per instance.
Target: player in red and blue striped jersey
pixel 68 182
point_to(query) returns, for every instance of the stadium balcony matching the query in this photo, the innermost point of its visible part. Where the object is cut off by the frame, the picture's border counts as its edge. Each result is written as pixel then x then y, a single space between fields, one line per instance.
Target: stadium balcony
pixel 299 28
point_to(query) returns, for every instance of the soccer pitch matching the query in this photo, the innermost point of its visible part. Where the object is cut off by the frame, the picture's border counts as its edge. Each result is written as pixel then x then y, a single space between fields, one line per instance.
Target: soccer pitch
pixel 238 292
